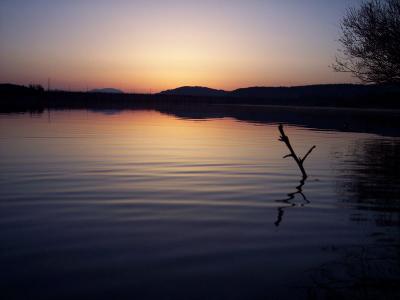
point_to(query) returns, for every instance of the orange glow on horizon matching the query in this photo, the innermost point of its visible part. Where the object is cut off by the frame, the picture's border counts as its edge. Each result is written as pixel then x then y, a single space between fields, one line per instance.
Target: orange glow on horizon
pixel 150 46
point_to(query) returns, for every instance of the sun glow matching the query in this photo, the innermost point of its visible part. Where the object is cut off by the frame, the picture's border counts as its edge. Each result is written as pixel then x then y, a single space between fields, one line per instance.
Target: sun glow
pixel 148 46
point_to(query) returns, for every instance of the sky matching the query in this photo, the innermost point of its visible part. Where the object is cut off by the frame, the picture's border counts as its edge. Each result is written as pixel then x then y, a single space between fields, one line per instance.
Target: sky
pixel 153 45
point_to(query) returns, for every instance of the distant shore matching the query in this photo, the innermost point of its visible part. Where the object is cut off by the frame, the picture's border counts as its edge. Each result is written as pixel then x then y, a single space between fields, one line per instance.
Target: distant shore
pixel 383 119
pixel 332 97
pixel 392 111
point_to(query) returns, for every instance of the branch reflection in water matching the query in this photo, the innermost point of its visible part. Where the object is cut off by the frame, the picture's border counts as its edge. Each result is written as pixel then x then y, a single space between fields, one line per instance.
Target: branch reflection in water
pixel 290 202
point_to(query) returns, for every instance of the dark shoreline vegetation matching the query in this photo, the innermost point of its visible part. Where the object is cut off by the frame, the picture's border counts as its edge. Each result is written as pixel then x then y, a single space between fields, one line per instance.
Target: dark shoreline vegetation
pixel 20 98
pixel 353 108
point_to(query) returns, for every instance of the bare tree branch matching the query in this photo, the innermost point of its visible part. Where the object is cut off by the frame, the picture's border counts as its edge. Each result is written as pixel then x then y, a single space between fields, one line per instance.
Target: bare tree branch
pixel 370 42
pixel 285 139
pixel 308 153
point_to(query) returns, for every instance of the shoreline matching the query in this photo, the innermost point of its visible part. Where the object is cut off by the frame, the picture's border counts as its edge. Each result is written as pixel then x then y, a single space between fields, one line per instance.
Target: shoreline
pixel 24 99
pixel 319 108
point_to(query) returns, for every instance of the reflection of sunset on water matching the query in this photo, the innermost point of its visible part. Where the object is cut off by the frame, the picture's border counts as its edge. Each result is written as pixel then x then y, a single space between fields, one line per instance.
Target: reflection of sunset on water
pixel 130 192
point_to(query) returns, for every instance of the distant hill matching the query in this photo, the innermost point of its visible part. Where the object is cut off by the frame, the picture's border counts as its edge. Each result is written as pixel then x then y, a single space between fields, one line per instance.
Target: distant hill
pixel 326 90
pixel 195 91
pixel 8 88
pixel 295 92
pixel 12 88
pixel 334 95
pixel 107 91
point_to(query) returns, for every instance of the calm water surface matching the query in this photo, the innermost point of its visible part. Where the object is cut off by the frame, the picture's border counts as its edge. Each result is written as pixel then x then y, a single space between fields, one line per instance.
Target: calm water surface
pixel 145 205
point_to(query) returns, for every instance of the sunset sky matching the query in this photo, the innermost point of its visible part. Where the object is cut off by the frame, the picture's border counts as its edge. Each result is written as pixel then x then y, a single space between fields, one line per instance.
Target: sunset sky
pixel 152 45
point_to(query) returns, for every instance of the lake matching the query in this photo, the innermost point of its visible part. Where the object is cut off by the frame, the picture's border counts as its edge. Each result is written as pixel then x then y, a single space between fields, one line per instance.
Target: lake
pixel 154 204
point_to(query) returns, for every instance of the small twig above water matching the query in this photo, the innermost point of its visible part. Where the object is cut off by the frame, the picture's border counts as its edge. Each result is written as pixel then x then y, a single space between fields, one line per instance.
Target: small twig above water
pixel 300 161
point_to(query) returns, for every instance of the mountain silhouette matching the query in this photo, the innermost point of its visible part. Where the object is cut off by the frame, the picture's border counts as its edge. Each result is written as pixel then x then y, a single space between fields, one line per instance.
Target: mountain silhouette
pixel 325 90
pixel 107 91
pixel 195 91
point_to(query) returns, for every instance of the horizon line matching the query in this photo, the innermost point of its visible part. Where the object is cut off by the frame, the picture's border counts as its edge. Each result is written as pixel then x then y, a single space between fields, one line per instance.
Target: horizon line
pixel 150 90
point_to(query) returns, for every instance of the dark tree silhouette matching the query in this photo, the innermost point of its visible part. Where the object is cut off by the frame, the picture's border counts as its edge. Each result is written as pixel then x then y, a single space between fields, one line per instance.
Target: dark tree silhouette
pixel 370 42
pixel 36 87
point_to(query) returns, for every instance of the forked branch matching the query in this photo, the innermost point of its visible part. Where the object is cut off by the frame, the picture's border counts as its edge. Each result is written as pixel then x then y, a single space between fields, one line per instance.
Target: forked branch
pixel 300 161
pixel 308 153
